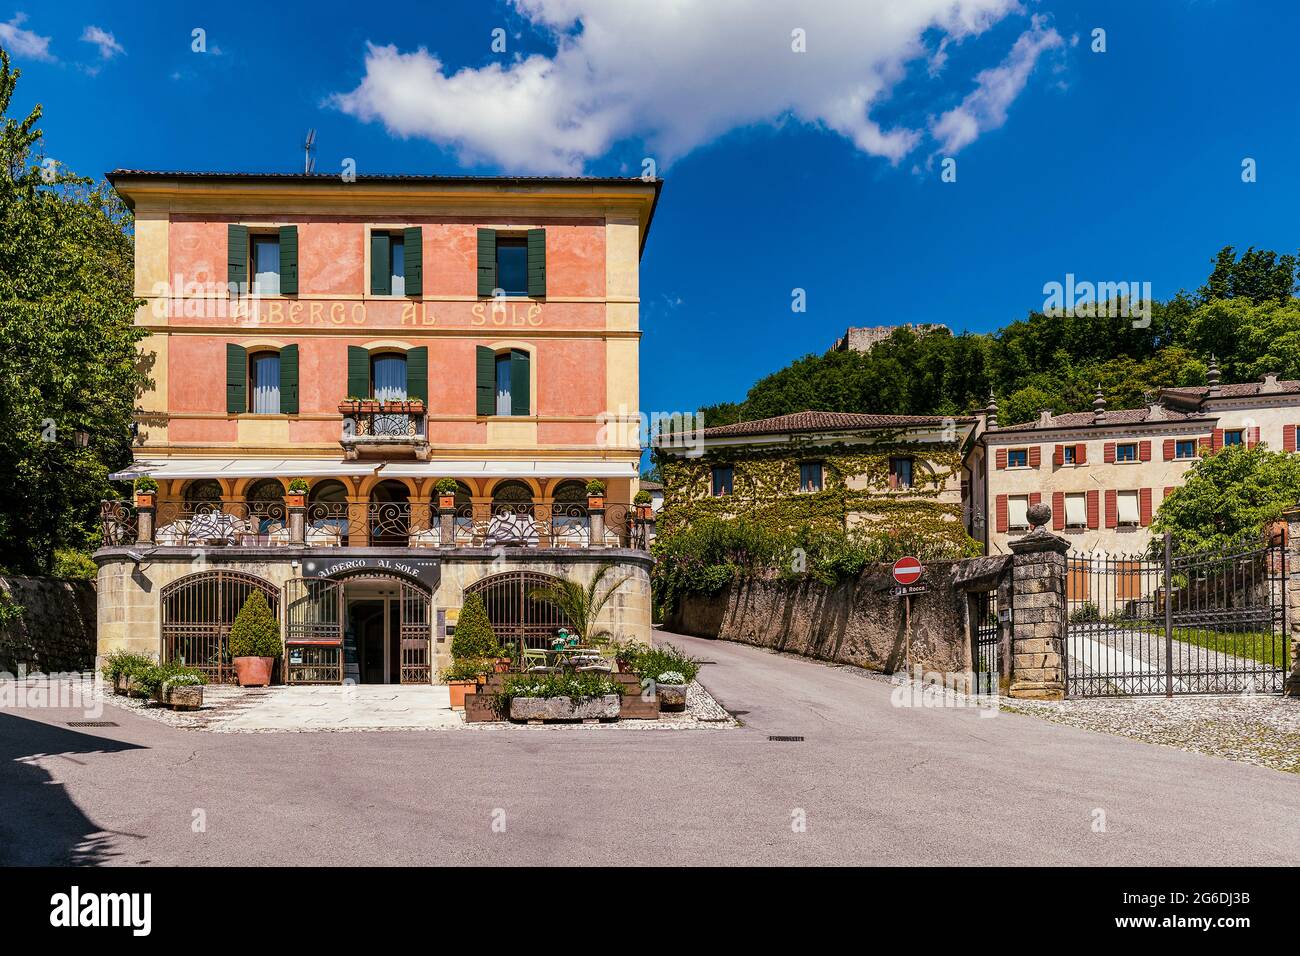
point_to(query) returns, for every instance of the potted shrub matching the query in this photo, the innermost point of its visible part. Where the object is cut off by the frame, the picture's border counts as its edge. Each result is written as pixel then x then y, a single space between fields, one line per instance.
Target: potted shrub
pixel 120 667
pixel 474 637
pixel 146 492
pixel 446 488
pixel 255 642
pixel 595 495
pixel 462 677
pixel 297 495
pixel 643 501
pixel 537 697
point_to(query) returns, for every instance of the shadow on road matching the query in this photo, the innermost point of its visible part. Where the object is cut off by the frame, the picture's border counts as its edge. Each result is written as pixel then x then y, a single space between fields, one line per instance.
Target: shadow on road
pixel 41 825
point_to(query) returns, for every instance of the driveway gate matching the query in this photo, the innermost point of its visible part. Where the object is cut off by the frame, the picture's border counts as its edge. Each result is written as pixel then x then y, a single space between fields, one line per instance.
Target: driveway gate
pixel 1203 623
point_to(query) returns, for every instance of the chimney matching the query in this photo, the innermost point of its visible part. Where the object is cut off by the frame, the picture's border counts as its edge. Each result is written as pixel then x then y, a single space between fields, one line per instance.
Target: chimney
pixel 1212 377
pixel 1156 412
pixel 1269 385
pixel 1099 406
pixel 1044 418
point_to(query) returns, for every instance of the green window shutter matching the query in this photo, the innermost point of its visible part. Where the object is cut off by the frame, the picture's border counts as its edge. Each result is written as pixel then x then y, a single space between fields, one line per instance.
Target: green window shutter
pixel 358 372
pixel 485 362
pixel 537 263
pixel 413 250
pixel 381 264
pixel 289 380
pixel 417 374
pixel 237 256
pixel 487 261
pixel 236 380
pixel 288 260
pixel 519 382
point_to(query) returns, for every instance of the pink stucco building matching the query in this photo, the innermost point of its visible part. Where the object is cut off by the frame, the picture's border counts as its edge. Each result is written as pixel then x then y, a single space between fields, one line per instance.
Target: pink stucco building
pixel 376 340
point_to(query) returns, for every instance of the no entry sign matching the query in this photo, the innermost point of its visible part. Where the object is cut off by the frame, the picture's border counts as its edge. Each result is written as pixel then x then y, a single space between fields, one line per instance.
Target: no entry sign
pixel 907 571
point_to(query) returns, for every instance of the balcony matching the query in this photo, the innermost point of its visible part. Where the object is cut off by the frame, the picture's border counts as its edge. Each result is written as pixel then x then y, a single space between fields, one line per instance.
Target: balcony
pixel 376 524
pixel 374 429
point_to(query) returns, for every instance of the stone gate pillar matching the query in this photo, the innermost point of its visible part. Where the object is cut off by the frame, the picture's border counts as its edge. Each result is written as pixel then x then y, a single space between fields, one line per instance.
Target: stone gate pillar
pixel 1292 517
pixel 1038 624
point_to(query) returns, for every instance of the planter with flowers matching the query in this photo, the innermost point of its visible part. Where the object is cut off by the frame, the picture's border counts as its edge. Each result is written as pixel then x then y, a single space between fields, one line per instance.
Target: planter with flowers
pixel 446 488
pixel 541 697
pixel 595 495
pixel 146 492
pixel 296 497
pixel 643 502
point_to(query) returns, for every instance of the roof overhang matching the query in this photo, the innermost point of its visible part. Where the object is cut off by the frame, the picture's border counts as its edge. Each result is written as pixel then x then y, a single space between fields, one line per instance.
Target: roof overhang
pixel 171 468
pixel 510 468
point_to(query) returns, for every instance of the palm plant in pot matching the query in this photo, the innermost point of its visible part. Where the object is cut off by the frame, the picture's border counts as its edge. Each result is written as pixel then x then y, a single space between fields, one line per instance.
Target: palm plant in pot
pixel 255 642
pixel 582 605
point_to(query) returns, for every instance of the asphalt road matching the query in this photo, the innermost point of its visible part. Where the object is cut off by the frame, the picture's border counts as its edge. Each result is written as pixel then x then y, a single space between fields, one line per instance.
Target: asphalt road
pixel 875 783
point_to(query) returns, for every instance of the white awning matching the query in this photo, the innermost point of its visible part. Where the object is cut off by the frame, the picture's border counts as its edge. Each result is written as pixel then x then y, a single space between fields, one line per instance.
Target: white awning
pixel 510 468
pixel 242 468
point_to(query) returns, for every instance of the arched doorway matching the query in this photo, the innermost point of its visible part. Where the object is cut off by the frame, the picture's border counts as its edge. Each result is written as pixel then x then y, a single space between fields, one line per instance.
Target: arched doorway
pixel 197 612
pixel 513 520
pixel 327 513
pixel 389 515
pixel 516 618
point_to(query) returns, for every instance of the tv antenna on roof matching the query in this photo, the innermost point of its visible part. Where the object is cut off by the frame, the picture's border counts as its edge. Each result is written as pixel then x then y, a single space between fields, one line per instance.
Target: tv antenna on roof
pixel 309 164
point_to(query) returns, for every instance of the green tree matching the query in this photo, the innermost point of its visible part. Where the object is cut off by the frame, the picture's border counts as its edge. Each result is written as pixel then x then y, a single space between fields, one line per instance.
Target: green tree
pixel 70 362
pixel 1259 275
pixel 255 632
pixel 474 637
pixel 1228 497
pixel 581 605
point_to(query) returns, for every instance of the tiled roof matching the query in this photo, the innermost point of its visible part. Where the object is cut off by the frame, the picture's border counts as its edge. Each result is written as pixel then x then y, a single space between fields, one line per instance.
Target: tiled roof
pixel 1117 416
pixel 1239 390
pixel 825 421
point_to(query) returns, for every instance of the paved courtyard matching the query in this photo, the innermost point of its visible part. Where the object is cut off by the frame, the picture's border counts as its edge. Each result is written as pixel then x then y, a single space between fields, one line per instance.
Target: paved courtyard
pixel 874 779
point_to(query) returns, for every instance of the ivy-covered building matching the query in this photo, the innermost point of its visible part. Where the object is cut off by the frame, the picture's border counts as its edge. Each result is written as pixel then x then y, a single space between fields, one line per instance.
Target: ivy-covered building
pixel 831 469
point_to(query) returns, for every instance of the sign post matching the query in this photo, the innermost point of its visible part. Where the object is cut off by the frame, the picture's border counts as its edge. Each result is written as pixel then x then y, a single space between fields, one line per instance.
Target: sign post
pixel 907 581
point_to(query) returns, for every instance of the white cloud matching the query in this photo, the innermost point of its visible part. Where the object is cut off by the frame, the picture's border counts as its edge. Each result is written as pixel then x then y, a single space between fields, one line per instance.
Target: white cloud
pixel 985 108
pixel 680 74
pixel 107 43
pixel 24 43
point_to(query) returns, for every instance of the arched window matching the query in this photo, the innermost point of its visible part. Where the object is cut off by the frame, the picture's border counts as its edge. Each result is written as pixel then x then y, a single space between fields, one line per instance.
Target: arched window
pixel 265 499
pixel 327 513
pixel 513 519
pixel 388 373
pixel 264 383
pixel 203 490
pixel 389 515
pixel 570 525
pixel 512 493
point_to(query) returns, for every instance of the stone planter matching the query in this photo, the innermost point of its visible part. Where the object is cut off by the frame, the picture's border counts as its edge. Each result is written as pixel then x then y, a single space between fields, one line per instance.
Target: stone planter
pixel 565 708
pixel 672 697
pixel 254 671
pixel 133 689
pixel 119 685
pixel 181 696
pixel 482 707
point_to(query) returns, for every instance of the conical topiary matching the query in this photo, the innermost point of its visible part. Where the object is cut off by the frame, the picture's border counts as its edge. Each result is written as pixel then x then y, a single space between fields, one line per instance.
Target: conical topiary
pixel 256 632
pixel 474 636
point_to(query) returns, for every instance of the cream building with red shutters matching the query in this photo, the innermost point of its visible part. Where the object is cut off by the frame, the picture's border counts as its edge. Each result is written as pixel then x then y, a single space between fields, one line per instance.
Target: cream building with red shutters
pixel 1105 472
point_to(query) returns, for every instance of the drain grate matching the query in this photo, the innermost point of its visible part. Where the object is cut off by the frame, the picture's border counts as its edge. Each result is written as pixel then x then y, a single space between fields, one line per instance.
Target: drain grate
pixel 92 723
pixel 794 740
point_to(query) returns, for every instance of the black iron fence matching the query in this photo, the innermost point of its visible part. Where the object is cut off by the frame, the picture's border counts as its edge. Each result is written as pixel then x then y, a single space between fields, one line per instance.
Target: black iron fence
pixel 1203 623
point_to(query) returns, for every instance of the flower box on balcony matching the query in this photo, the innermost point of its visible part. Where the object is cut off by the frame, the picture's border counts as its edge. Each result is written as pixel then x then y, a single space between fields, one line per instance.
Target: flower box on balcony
pixel 145 499
pixel 356 406
pixel 413 406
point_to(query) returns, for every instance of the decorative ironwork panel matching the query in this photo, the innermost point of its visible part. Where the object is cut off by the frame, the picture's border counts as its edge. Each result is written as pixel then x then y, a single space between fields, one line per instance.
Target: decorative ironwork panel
pixel 516 617
pixel 118 523
pixel 415 631
pixel 197 612
pixel 313 611
pixel 221 524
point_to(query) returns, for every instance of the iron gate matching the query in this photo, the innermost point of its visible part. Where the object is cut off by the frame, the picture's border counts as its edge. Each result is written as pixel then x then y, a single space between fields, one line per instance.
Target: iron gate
pixel 415 626
pixel 197 612
pixel 987 639
pixel 516 617
pixel 313 631
pixel 1202 623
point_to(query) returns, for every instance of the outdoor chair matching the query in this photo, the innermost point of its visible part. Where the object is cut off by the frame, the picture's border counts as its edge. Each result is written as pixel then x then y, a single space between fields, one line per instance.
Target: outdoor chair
pixel 534 662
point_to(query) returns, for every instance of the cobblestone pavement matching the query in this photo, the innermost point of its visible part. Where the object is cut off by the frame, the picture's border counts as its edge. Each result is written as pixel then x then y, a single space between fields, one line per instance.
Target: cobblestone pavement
pixel 1263 729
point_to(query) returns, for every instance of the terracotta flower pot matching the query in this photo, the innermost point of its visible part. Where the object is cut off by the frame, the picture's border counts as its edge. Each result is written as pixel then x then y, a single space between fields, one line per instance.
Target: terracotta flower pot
pixel 296 499
pixel 458 689
pixel 643 512
pixel 501 665
pixel 447 502
pixel 145 499
pixel 254 671
pixel 595 502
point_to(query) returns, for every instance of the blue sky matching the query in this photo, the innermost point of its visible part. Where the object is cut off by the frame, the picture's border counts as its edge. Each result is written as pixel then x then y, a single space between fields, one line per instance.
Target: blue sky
pixel 1122 165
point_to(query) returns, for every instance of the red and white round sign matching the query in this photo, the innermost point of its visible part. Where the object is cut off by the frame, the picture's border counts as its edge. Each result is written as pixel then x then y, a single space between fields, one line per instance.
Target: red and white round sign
pixel 907 570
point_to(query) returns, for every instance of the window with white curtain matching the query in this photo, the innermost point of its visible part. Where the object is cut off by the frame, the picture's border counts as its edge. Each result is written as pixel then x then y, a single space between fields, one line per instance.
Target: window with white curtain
pixel 264 383
pixel 397 257
pixel 1076 510
pixel 266 265
pixel 503 383
pixel 1128 507
pixel 1018 511
pixel 388 372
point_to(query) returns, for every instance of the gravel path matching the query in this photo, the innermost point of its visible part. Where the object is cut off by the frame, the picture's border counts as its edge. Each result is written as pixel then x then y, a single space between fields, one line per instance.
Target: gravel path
pixel 1260 729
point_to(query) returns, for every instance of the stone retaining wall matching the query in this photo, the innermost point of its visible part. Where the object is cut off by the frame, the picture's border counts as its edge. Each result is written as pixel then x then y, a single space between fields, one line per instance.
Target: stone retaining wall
pixel 853 622
pixel 56 631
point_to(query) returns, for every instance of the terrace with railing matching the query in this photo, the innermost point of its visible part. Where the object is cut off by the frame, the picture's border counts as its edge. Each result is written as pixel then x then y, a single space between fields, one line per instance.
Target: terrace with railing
pixel 380 524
